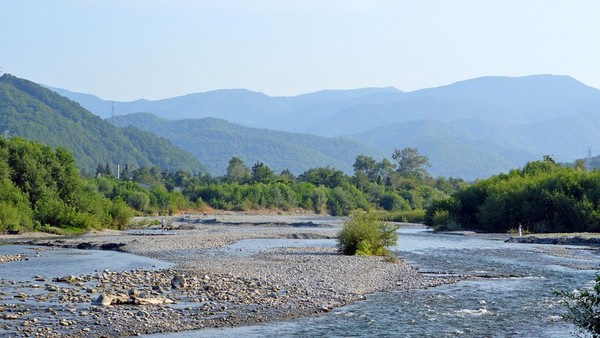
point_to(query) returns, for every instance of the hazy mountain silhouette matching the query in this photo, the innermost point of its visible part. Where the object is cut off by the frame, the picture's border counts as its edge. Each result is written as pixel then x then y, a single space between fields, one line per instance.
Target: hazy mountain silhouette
pixel 215 141
pixel 469 129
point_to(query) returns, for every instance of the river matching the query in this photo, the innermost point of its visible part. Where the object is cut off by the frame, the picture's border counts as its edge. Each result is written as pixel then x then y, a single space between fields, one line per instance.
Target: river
pixel 510 295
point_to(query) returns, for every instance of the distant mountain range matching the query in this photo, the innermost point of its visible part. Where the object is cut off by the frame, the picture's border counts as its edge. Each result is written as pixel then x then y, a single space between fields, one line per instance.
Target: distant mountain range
pixel 469 129
pixel 34 112
pixel 215 141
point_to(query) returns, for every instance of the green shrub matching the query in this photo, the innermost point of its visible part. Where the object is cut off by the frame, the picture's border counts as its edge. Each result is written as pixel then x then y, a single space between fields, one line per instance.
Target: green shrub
pixel 120 213
pixel 393 202
pixel 365 234
pixel 584 308
pixel 410 216
pixel 442 221
pixel 14 218
pixel 139 201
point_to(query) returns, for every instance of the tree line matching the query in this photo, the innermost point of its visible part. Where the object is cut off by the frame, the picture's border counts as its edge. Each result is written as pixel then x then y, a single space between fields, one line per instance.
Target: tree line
pixel 543 196
pixel 42 189
pixel 399 187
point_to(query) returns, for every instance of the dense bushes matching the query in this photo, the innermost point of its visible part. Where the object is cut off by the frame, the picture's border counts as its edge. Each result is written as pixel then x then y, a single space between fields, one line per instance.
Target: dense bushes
pixel 543 196
pixel 365 234
pixel 40 188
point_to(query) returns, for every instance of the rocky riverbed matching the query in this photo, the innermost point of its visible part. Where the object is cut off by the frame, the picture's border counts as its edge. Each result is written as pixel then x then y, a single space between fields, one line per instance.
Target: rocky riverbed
pixel 209 285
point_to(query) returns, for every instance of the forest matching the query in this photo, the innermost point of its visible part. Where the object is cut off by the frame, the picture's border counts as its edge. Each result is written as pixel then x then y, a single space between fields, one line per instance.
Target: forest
pixel 42 189
pixel 543 196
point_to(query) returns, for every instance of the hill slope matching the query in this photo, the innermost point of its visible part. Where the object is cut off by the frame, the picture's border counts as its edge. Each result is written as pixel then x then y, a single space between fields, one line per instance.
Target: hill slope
pixel 34 112
pixel 215 141
pixel 499 122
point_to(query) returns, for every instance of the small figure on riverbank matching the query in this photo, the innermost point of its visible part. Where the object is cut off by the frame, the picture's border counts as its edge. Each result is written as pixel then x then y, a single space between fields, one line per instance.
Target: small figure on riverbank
pixel 162 224
pixel 520 230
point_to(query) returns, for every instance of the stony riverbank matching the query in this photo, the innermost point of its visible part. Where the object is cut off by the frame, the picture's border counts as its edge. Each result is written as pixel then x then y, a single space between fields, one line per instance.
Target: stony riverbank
pixel 210 285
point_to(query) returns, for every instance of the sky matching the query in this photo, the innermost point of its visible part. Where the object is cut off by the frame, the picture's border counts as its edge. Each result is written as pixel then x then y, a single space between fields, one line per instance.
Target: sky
pixel 130 49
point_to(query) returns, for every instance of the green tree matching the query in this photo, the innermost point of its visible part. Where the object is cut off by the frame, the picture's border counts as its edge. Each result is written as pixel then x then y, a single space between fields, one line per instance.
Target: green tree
pixel 261 173
pixel 237 171
pixel 411 163
pixel 328 177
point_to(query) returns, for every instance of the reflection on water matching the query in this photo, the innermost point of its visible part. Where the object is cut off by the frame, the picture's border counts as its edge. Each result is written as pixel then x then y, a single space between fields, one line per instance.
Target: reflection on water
pixel 510 295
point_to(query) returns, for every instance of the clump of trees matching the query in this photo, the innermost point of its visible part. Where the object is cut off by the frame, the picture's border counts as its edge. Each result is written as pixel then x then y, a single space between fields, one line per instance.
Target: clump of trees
pixel 365 234
pixel 40 189
pixel 543 196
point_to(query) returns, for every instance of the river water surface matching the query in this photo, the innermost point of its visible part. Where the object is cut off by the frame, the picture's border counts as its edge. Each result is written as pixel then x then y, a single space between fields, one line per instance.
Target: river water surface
pixel 509 294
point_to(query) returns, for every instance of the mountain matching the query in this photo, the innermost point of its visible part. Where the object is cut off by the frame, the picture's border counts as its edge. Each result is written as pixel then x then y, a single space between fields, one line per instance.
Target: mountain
pixel 34 112
pixel 497 122
pixel 215 141
pixel 491 99
pixel 455 149
pixel 235 105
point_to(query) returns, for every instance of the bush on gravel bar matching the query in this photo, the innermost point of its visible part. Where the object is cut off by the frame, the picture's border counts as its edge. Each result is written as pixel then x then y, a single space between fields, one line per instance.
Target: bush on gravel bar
pixel 365 234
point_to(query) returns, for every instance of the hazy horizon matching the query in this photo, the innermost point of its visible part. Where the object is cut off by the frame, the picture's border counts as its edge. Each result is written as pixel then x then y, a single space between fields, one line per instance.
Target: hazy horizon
pixel 129 50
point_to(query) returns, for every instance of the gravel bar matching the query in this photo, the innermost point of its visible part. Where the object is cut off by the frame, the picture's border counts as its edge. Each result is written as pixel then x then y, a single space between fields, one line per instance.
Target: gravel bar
pixel 208 286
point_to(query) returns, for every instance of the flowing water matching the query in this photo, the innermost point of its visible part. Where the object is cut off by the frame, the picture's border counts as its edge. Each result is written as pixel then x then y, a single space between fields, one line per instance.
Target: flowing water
pixel 49 262
pixel 510 295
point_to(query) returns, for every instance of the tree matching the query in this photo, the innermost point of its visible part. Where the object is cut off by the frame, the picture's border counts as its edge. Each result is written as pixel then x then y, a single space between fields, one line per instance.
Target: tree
pixel 107 169
pixel 126 172
pixel 261 173
pixel 366 165
pixel 410 163
pixel 328 177
pixel 237 171
pixel 286 176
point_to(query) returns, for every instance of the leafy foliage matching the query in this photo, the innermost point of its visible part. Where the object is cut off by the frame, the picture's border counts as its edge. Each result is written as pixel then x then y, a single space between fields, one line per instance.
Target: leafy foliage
pixel 543 196
pixel 584 308
pixel 40 187
pixel 365 234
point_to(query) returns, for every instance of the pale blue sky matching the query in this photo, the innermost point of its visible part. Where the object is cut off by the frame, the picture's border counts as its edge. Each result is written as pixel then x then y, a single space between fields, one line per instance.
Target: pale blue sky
pixel 125 50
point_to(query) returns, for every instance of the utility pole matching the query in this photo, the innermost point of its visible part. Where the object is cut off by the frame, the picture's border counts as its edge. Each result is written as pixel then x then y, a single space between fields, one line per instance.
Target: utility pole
pixel 112 114
pixel 588 160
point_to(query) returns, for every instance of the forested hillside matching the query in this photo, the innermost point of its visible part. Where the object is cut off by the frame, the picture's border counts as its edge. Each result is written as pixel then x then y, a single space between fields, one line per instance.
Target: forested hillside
pixel 215 141
pixel 469 129
pixel 34 112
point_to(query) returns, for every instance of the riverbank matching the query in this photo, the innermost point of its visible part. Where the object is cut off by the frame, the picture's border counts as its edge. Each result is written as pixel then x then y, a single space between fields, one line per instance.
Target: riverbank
pixel 578 239
pixel 211 284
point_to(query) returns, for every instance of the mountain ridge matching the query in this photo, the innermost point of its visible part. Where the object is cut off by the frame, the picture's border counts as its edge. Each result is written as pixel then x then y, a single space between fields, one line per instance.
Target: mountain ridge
pixel 528 116
pixel 214 141
pixel 34 112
